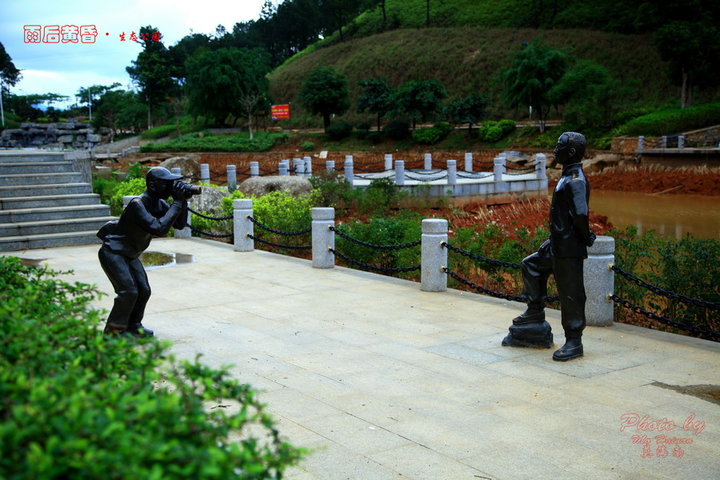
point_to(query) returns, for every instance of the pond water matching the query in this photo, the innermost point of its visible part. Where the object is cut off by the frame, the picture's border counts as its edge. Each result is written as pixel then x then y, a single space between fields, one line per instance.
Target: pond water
pixel 672 215
pixel 151 259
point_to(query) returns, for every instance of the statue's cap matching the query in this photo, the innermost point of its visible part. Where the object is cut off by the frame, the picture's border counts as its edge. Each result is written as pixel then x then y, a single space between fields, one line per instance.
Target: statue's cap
pixel 161 173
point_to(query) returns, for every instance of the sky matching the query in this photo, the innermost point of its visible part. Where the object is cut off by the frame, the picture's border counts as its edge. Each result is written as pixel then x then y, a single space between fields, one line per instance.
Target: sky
pixel 64 68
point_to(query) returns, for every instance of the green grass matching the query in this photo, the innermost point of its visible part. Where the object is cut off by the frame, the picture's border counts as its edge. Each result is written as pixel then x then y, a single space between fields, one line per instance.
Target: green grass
pixel 217 143
pixel 673 120
pixel 469 60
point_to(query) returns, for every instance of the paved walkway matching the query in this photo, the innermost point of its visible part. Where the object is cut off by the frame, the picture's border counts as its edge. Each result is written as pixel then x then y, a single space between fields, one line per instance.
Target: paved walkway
pixel 384 381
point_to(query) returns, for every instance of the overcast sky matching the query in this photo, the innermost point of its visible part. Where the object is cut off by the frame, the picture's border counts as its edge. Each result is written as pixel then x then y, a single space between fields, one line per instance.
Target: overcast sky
pixel 65 67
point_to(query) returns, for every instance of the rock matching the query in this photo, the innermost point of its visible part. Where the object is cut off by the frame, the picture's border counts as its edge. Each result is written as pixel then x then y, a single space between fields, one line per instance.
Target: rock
pixel 258 186
pixel 189 165
pixel 93 138
pixel 210 200
pixel 65 139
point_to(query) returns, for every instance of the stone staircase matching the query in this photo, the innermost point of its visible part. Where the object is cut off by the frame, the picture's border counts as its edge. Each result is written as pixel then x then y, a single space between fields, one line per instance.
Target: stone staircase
pixel 46 200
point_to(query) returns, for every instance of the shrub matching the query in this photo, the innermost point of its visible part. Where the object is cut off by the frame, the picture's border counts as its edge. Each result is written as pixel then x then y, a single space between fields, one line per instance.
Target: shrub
pixel 339 130
pixel 444 127
pixel 427 136
pixel 135 186
pixel 507 126
pixel 673 120
pixel 217 143
pixel 307 146
pixel 78 405
pixel 397 130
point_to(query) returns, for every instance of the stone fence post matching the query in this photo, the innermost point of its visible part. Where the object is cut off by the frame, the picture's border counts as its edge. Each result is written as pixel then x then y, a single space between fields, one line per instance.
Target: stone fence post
pixel 349 175
pixel 452 172
pixel 242 226
pixel 399 172
pixel 599 281
pixel 681 141
pixel 323 239
pixel 540 166
pixel 283 167
pixel 330 165
pixel 498 168
pixel 468 162
pixel 231 178
pixel 254 169
pixel 205 173
pixel 433 255
pixel 308 166
pixel 388 161
pixel 641 143
pixel 127 199
pixel 428 161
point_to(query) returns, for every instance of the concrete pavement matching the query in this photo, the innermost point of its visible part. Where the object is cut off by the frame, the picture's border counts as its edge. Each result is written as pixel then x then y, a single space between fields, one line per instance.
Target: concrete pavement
pixel 384 381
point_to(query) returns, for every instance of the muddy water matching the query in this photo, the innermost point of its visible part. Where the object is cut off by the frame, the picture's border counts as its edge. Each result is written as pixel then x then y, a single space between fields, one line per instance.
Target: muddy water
pixel 672 215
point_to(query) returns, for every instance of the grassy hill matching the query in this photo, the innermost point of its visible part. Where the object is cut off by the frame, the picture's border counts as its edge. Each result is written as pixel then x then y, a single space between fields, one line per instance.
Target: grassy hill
pixel 470 59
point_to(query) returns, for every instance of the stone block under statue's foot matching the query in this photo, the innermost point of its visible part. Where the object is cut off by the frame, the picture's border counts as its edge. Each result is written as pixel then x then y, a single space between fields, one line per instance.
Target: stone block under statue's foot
pixel 529 335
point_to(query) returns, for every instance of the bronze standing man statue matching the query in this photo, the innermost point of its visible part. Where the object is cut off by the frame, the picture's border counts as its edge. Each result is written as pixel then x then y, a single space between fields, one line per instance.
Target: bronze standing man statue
pixel 125 239
pixel 562 255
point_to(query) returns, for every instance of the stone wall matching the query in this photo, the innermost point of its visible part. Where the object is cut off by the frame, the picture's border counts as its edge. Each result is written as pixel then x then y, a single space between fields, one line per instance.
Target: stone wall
pixel 65 135
pixel 706 137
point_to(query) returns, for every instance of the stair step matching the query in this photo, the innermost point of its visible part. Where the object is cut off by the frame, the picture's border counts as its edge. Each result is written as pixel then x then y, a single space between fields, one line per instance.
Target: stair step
pixel 14 203
pixel 31 156
pixel 26 242
pixel 53 213
pixel 9 168
pixel 44 190
pixel 45 227
pixel 17 179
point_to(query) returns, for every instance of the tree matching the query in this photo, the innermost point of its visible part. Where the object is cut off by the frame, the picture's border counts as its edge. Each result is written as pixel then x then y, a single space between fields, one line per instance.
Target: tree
pixel 119 110
pixel 152 71
pixel 227 81
pixel 590 94
pixel 418 100
pixel 90 96
pixel 535 70
pixel 693 53
pixel 325 93
pixel 470 110
pixel 376 98
pixel 9 75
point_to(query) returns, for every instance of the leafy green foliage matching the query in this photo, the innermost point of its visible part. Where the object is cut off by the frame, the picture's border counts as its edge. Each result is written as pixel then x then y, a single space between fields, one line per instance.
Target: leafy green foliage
pixel 339 130
pixel 535 71
pixel 470 110
pixel 397 129
pixel 134 186
pixel 226 81
pixel 217 143
pixel 492 132
pixel 78 405
pixel 377 97
pixel 383 231
pixel 427 136
pixel 675 265
pixel 170 130
pixel 418 100
pixel 672 120
pixel 325 92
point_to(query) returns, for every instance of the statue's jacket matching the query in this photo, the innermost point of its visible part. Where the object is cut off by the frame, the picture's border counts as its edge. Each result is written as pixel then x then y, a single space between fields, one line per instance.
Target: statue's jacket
pixel 570 233
pixel 143 218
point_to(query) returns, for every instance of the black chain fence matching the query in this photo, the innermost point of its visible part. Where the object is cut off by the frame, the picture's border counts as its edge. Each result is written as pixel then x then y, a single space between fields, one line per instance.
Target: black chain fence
pixel 225 217
pixel 374 246
pixel 703 332
pixel 665 293
pixel 278 232
pixel 399 246
pixel 489 261
pixel 373 267
pixel 280 245
pixel 210 234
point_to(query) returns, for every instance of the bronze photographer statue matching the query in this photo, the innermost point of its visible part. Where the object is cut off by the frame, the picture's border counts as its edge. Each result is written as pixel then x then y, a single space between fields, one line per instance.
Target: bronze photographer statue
pixel 126 238
pixel 562 255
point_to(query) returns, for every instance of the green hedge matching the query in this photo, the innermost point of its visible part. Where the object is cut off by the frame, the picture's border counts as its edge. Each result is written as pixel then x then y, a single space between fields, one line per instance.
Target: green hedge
pixel 217 143
pixel 75 404
pixel 673 120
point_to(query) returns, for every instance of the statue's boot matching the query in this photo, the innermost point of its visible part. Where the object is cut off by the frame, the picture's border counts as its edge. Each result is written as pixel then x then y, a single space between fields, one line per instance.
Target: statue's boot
pixel 529 330
pixel 115 330
pixel 572 349
pixel 138 330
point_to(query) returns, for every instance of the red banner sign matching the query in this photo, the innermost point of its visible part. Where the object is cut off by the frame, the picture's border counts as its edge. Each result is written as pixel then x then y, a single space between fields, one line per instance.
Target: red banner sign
pixel 278 112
